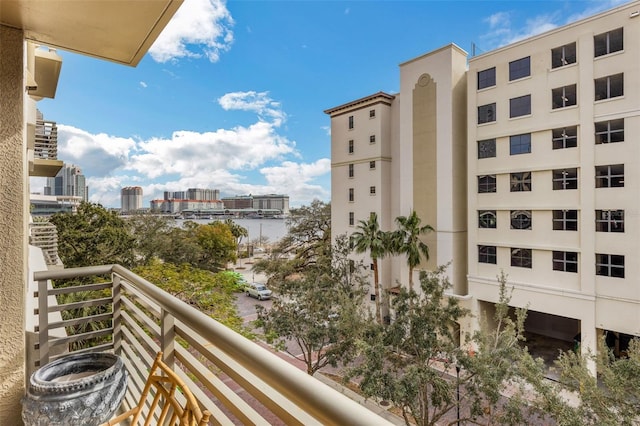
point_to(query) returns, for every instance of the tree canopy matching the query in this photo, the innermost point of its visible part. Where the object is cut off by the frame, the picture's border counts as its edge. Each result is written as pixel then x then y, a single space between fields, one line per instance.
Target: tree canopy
pixel 93 236
pixel 319 313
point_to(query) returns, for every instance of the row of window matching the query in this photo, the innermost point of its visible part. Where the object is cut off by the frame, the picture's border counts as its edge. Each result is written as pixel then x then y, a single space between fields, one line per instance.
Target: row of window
pixel 603 44
pixel 611 86
pixel 608 265
pixel 351 144
pixel 563 220
pixel 372 191
pixel 351 167
pixel 610 131
pixel 607 176
pixel 372 114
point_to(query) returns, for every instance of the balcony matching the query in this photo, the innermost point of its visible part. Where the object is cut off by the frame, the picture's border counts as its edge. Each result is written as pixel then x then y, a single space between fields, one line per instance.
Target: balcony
pixel 45 150
pixel 44 235
pixel 238 381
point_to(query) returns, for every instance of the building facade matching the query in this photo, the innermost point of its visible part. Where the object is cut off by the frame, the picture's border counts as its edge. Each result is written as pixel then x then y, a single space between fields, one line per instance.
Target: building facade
pixel 271 202
pixel 553 177
pixel 524 161
pixel 394 154
pixel 68 182
pixel 130 199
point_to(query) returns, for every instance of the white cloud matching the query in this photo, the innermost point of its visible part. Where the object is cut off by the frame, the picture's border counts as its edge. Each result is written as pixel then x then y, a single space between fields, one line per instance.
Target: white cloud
pixel 199 28
pixel 258 102
pixel 103 152
pixel 503 31
pixel 190 153
pixel 143 84
pixel 297 178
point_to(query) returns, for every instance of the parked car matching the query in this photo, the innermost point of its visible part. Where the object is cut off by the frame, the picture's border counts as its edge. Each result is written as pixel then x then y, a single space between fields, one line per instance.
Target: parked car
pixel 259 291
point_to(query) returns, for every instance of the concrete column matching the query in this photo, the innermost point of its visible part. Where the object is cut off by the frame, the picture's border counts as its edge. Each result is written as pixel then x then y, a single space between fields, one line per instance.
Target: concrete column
pixel 13 238
pixel 589 340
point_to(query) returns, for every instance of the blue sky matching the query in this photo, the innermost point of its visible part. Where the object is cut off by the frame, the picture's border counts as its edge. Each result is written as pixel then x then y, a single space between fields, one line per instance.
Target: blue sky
pixel 231 95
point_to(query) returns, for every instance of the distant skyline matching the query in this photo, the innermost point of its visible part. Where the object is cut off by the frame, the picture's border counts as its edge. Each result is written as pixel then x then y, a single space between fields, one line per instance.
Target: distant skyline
pixel 231 96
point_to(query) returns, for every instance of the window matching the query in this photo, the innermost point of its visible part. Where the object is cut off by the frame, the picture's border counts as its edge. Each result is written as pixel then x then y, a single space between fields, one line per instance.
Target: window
pixel 610 265
pixel 608 42
pixel 487 78
pixel 565 220
pixel 609 87
pixel 372 113
pixel 487 254
pixel 520 106
pixel 487 148
pixel 563 96
pixel 351 194
pixel 372 139
pixel 521 257
pixel 351 122
pixel 372 190
pixel 520 68
pixel 563 55
pixel 565 179
pixel 565 261
pixel 520 144
pixel 486 183
pixel 351 146
pixel 372 164
pixel 520 181
pixel 610 131
pixel 566 137
pixel 351 219
pixel 486 113
pixel 609 220
pixel 610 176
pixel 520 219
pixel 350 170
pixel 487 219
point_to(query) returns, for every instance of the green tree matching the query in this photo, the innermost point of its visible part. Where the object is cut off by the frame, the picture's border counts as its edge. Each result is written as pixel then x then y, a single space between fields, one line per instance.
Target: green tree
pixel 406 240
pixel 318 313
pixel 208 247
pixel 418 364
pixel 93 236
pixel 308 239
pixel 580 398
pixel 211 293
pixel 369 237
pixel 239 232
pixel 151 233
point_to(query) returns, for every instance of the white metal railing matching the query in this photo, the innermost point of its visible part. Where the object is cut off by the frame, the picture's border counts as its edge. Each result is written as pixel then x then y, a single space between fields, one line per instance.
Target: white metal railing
pixel 44 235
pixel 46 141
pixel 135 319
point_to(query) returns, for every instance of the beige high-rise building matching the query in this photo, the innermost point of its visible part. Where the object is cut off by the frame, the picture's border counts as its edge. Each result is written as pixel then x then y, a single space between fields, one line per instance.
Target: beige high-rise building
pixel 553 180
pixel 524 161
pixel 392 154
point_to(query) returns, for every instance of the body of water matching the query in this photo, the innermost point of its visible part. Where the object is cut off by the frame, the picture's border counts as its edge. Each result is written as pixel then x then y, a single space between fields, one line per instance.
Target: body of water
pixel 272 229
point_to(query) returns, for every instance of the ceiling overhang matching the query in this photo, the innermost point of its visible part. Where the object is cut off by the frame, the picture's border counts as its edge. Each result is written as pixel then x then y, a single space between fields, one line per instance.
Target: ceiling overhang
pixel 114 30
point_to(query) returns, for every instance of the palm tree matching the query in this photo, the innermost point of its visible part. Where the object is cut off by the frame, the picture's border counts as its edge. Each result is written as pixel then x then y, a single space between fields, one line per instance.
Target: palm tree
pixel 370 238
pixel 406 240
pixel 237 231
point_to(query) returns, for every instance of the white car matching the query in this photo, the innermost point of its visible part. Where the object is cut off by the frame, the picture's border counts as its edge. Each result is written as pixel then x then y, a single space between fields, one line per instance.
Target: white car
pixel 259 291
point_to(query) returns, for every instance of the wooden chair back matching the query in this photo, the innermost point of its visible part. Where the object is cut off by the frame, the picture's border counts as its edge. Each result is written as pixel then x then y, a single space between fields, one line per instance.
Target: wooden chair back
pixel 165 385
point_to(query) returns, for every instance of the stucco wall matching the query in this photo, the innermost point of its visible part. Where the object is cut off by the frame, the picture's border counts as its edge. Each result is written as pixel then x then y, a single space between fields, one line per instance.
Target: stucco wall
pixel 12 224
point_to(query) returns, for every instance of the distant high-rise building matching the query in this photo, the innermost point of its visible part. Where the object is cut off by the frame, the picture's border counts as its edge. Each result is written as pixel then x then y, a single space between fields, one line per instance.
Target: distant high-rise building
pixel 271 202
pixel 131 198
pixel 68 182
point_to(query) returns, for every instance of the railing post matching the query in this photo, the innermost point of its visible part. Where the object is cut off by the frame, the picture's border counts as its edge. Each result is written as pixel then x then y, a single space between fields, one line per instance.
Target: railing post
pixel 116 309
pixel 43 322
pixel 167 337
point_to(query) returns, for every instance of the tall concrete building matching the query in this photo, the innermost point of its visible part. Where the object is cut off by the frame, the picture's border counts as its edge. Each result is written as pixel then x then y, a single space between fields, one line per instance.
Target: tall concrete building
pixel 523 161
pixel 68 182
pixel 393 154
pixel 130 199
